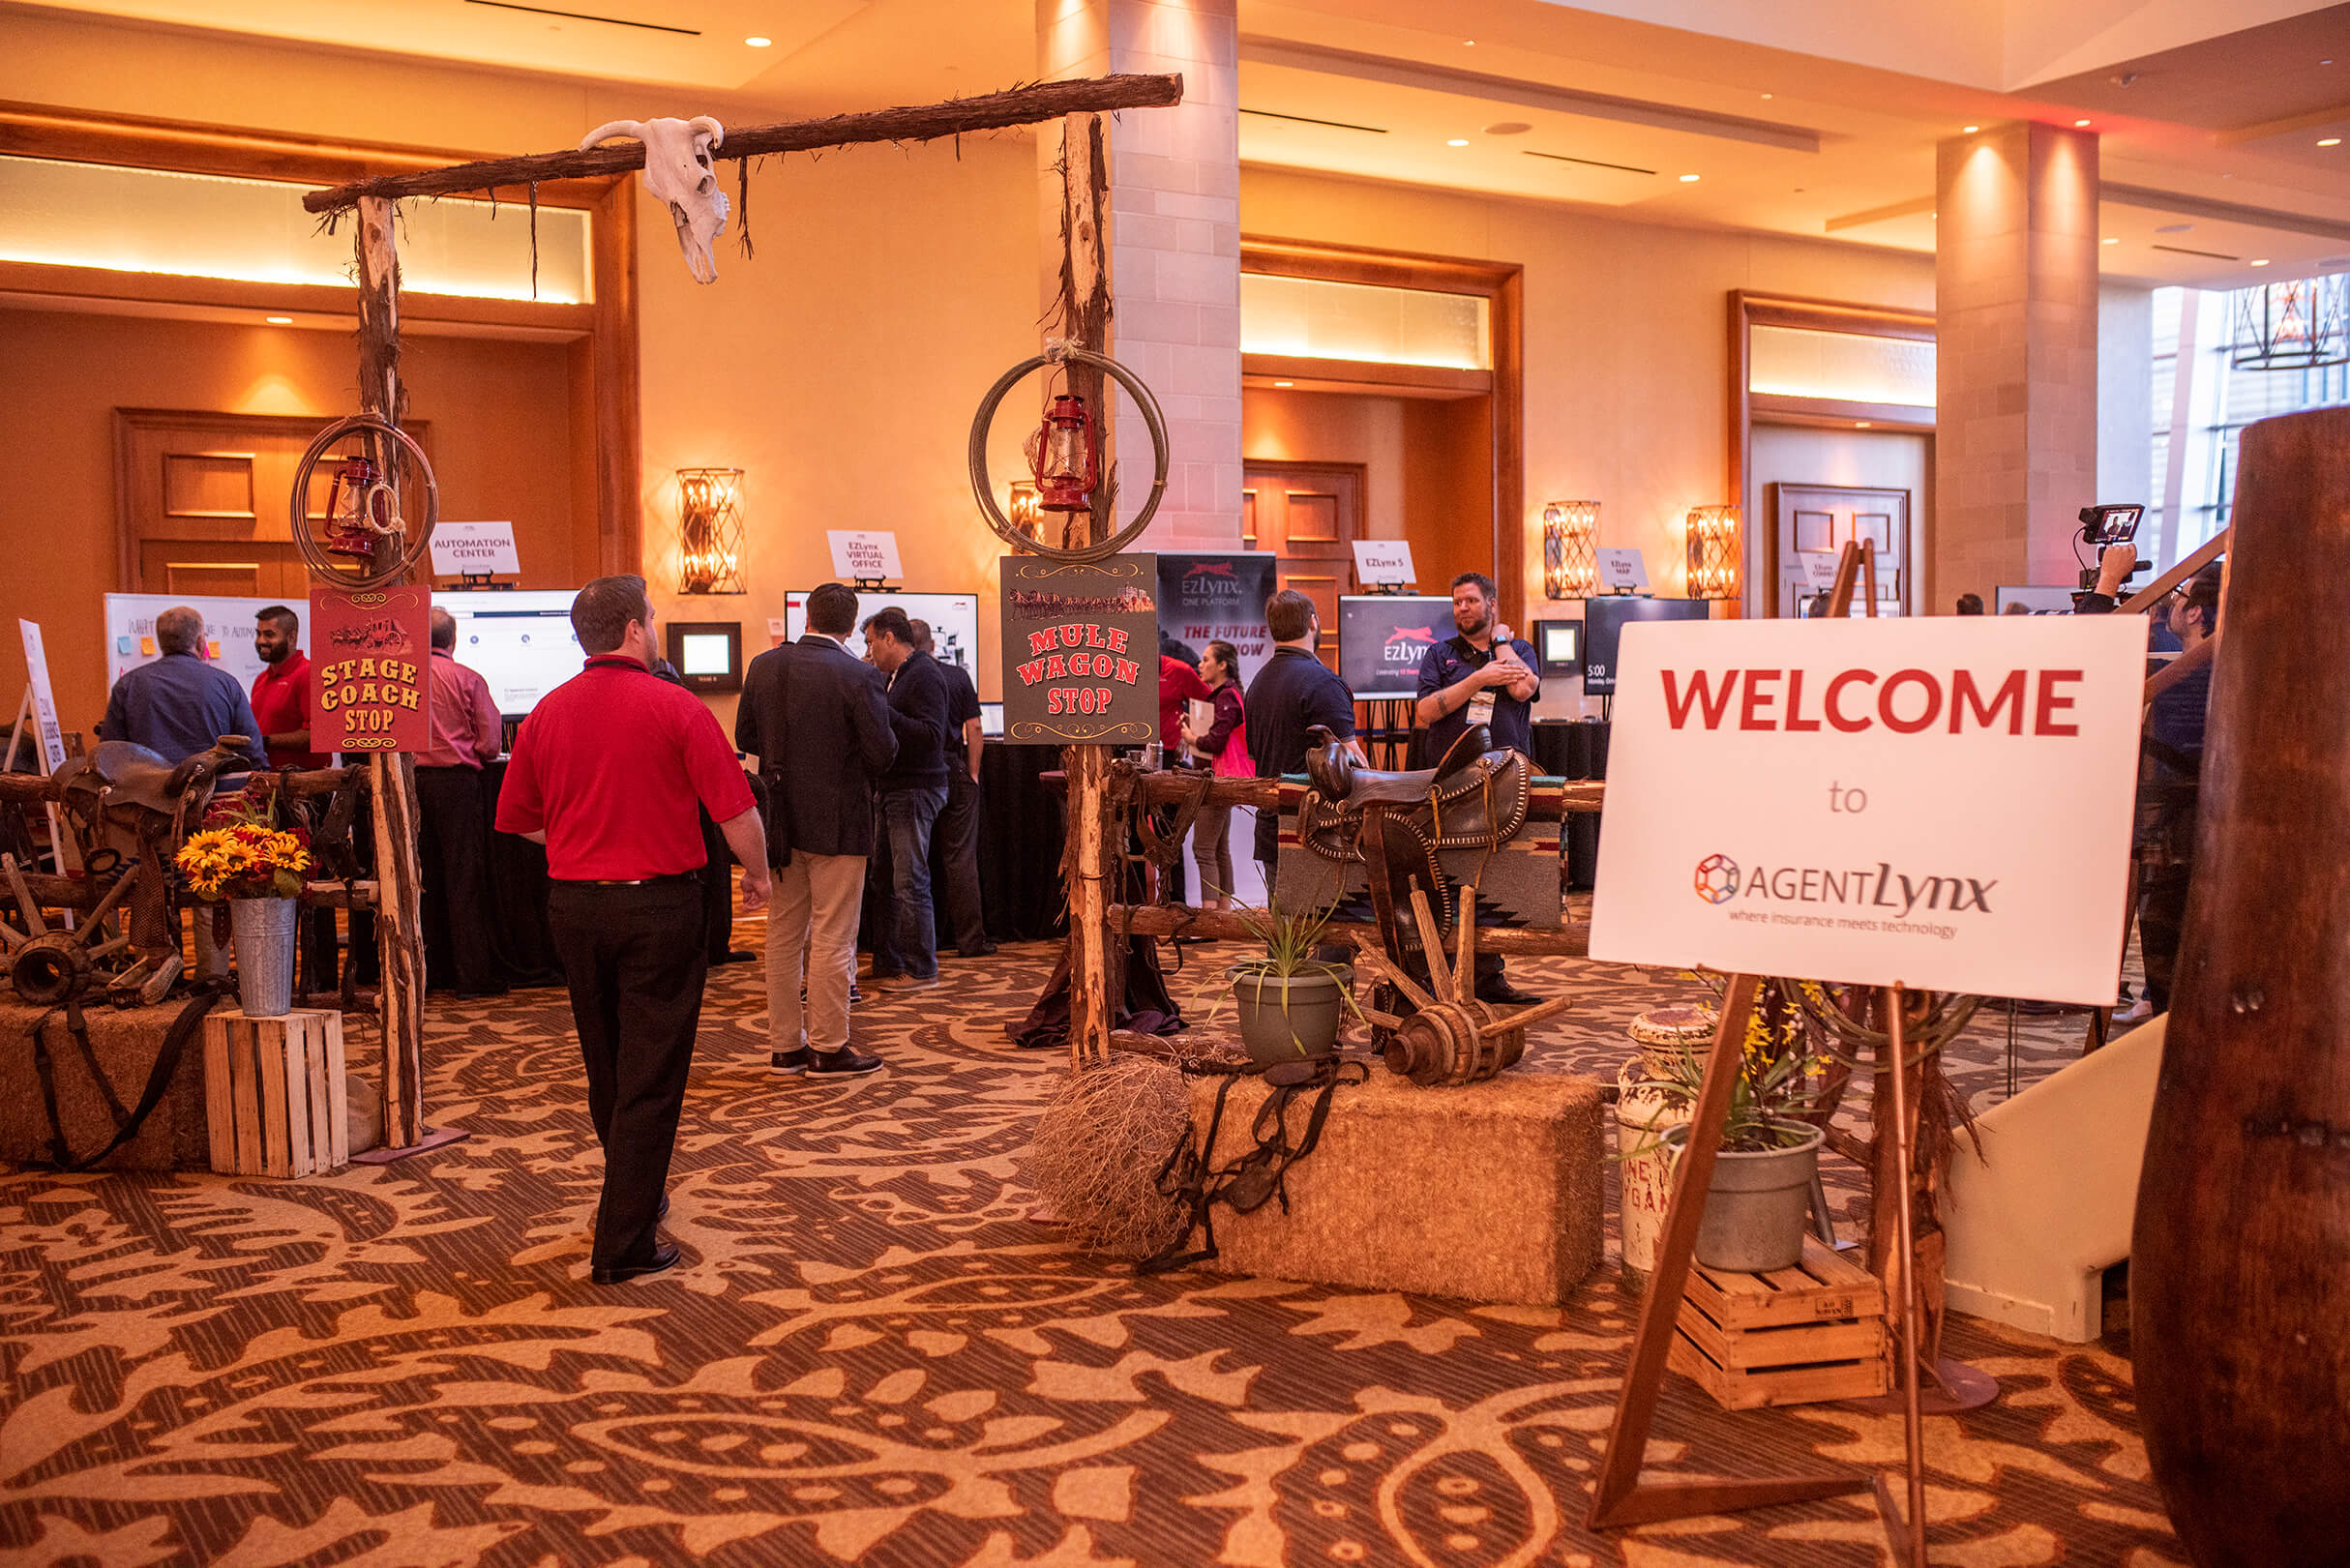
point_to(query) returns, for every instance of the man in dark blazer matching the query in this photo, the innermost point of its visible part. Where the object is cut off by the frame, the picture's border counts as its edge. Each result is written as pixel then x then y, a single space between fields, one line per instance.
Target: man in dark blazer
pixel 913 793
pixel 815 716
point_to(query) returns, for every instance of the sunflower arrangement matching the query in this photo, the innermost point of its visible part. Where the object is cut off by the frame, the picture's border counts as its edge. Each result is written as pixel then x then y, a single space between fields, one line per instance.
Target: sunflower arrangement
pixel 243 858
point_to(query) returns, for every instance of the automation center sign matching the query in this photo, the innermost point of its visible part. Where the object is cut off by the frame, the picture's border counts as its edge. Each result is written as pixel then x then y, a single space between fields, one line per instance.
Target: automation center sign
pixel 1943 804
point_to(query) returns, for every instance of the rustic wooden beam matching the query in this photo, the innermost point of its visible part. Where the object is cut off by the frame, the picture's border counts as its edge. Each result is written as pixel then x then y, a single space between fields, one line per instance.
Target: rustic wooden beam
pixel 927 122
pixel 1567 941
pixel 399 942
pixel 37 788
pixel 1170 788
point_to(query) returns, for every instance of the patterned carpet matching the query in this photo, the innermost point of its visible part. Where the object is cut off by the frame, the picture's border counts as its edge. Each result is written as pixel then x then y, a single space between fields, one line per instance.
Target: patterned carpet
pixel 873 1357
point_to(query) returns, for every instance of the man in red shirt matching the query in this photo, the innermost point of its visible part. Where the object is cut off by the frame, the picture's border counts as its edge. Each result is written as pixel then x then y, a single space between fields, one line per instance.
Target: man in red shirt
pixel 607 773
pixel 453 820
pixel 281 706
pixel 281 694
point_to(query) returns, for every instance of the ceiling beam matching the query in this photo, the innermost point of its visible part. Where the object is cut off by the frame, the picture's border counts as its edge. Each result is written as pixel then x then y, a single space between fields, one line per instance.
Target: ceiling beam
pixel 1878 214
pixel 2223 212
pixel 1328 62
pixel 2332 115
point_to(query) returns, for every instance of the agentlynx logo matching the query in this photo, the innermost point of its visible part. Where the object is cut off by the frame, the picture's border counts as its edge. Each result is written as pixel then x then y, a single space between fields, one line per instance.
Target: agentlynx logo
pixel 1718 880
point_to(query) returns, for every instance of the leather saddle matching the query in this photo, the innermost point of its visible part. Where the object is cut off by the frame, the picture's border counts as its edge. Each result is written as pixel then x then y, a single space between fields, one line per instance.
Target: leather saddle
pixel 122 773
pixel 1395 824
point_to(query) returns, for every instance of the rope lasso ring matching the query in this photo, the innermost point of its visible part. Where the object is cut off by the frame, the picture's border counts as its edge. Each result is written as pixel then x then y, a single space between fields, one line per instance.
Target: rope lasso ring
pixel 983 489
pixel 323 568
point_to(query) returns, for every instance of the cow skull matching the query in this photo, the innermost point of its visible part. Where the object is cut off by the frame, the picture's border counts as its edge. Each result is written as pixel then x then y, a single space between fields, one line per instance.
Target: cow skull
pixel 677 169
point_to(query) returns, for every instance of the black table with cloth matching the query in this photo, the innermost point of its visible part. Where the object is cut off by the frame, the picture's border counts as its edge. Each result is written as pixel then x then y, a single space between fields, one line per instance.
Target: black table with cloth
pixel 520 935
pixel 1575 749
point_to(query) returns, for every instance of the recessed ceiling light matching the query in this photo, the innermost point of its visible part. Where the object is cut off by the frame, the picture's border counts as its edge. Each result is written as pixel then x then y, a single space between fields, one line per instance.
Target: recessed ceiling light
pixel 1765 95
pixel 1285 383
pixel 1969 130
pixel 1688 179
pixel 757 43
pixel 2329 141
pixel 2261 261
pixel 279 320
pixel 1458 141
pixel 1468 44
pixel 2080 125
pixel 1508 128
pixel 1861 425
pixel 2112 239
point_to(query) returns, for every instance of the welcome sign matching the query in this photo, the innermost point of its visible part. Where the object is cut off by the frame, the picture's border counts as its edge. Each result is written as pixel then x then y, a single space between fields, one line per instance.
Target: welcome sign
pixel 1941 804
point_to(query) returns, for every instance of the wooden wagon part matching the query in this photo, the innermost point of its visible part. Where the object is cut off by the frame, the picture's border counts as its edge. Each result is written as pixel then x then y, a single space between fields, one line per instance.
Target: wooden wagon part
pixel 1449 1038
pixel 62 965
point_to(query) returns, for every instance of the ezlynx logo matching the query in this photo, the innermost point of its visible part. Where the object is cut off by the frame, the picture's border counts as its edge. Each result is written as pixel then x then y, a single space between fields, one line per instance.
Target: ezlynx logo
pixel 1212 580
pixel 1407 645
pixel 1718 881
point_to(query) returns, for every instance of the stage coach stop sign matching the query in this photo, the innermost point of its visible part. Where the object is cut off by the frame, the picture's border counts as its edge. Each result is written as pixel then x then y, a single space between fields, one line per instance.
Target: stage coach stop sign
pixel 1941 804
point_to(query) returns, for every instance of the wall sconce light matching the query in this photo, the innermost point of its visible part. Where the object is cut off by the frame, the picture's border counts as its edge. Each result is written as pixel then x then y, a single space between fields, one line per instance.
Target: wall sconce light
pixel 709 531
pixel 1027 509
pixel 1713 551
pixel 1570 544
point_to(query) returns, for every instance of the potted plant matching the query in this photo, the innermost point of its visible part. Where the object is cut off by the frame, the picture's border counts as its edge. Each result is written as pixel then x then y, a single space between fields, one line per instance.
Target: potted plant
pixel 1291 1003
pixel 1758 1203
pixel 242 858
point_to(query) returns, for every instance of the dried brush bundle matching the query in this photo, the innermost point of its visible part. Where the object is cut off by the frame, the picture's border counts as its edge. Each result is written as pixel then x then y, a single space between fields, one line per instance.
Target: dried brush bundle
pixel 1099 1146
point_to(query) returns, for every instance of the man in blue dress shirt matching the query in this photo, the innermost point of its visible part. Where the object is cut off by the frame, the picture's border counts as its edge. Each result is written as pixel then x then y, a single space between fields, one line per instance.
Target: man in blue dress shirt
pixel 179 705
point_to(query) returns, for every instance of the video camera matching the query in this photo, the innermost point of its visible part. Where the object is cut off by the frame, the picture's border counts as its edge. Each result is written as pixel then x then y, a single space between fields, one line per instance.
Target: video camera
pixel 2106 527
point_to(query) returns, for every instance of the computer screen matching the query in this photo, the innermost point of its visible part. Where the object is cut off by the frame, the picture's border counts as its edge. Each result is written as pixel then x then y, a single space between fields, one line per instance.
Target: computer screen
pixel 707 653
pixel 1559 645
pixel 990 719
pixel 1604 620
pixel 954 622
pixel 1382 638
pixel 520 641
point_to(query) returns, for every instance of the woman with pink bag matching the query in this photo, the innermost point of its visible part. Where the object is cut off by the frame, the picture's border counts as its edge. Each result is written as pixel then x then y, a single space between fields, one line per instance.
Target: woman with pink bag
pixel 1225 750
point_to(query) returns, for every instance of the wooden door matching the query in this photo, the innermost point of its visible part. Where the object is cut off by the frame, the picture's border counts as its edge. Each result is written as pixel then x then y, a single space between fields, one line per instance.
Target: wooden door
pixel 202 500
pixel 1308 514
pixel 1819 519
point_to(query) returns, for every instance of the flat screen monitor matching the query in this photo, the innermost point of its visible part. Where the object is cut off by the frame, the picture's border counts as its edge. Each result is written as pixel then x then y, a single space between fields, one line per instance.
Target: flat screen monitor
pixel 520 641
pixel 707 654
pixel 1604 620
pixel 954 622
pixel 1382 638
pixel 1558 646
pixel 990 719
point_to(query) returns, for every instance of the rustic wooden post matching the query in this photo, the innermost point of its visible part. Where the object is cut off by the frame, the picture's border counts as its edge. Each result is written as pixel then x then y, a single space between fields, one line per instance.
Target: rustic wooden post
pixel 399 934
pixel 1090 855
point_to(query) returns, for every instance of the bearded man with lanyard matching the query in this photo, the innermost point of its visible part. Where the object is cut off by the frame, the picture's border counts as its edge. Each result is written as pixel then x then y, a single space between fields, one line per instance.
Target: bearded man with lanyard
pixel 1480 676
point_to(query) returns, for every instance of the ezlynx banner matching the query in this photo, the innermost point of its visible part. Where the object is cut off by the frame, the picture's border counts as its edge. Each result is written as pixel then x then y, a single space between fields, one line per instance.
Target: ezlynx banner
pixel 1941 804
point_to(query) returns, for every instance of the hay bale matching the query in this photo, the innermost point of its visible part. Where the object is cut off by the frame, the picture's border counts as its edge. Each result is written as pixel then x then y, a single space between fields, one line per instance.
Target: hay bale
pixel 124 1044
pixel 1097 1151
pixel 1488 1193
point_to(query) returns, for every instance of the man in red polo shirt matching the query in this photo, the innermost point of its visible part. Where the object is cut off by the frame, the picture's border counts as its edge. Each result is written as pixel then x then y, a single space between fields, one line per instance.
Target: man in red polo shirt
pixel 607 773
pixel 281 706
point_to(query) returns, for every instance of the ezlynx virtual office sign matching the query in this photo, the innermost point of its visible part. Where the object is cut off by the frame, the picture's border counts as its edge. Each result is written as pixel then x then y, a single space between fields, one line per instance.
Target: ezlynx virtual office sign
pixel 1943 804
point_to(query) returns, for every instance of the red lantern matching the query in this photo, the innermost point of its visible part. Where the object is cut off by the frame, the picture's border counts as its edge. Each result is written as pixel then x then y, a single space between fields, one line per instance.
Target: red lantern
pixel 358 508
pixel 1065 454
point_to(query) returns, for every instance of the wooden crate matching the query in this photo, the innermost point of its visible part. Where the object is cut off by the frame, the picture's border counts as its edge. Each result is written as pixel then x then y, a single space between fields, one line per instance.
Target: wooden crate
pixel 1796 1335
pixel 274 1098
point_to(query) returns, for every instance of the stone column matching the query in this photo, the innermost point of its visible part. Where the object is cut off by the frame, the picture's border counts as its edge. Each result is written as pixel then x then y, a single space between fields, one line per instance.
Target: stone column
pixel 2016 280
pixel 1175 242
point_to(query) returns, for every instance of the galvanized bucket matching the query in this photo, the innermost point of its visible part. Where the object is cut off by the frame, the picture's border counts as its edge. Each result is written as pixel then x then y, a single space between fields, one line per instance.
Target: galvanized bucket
pixel 262 933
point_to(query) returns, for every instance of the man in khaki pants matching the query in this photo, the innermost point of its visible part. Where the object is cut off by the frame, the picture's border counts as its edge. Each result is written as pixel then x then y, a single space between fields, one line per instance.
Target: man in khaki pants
pixel 815 716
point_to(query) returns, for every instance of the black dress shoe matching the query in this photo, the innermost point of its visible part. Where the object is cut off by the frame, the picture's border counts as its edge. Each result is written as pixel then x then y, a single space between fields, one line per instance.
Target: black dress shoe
pixel 1501 993
pixel 987 952
pixel 846 1062
pixel 791 1063
pixel 665 1256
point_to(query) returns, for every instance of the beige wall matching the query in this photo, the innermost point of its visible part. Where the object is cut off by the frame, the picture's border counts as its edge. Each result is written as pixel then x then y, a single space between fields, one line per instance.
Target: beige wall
pixel 1627 338
pixel 499 427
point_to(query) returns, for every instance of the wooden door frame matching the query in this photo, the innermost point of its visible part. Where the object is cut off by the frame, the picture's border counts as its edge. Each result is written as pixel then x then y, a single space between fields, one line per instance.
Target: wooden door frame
pixel 607 327
pixel 1299 465
pixel 1909 600
pixel 1502 284
pixel 1749 309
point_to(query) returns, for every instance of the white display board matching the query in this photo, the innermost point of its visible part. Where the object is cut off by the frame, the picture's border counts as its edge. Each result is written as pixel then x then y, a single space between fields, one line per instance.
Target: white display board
pixel 869 553
pixel 1621 568
pixel 477 548
pixel 45 699
pixel 1383 561
pixel 954 622
pixel 520 641
pixel 1938 803
pixel 228 632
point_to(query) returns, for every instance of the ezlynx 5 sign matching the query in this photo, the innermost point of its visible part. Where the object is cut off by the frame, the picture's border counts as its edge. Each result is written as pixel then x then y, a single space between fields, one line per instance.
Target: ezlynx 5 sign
pixel 1943 804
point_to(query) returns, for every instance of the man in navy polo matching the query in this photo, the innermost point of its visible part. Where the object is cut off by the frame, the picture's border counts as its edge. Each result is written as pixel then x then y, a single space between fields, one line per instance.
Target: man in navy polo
pixel 1479 675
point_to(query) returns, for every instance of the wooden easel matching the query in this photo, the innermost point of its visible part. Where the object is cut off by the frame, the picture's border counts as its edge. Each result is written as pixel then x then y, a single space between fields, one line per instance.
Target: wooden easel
pixel 1623 1498
pixel 28 716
